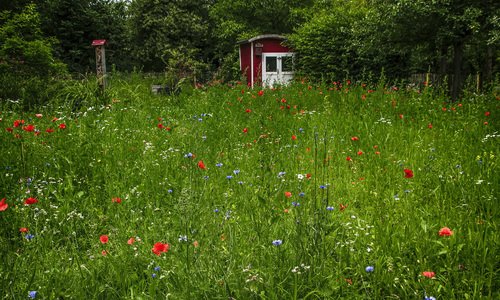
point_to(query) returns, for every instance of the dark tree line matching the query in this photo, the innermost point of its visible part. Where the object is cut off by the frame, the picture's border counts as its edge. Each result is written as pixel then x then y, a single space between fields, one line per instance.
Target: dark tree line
pixel 334 39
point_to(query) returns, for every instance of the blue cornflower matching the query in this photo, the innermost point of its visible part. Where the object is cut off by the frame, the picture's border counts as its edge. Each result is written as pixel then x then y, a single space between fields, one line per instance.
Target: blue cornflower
pixel 227 215
pixel 322 187
pixel 183 238
pixel 330 208
pixel 29 236
pixel 240 182
pixel 277 242
pixel 206 177
pixel 302 194
pixel 218 165
pixel 429 298
pixel 216 210
pixel 301 130
pixel 170 191
pixel 153 275
pixel 189 155
pixel 295 204
pixel 396 197
pixel 407 191
pixel 32 294
pixel 157 268
pixel 369 269
pixel 236 172
pixel 229 177
pixel 281 174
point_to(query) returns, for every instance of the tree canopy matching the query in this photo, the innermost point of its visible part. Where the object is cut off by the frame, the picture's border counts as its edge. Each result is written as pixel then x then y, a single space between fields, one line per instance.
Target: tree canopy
pixel 334 39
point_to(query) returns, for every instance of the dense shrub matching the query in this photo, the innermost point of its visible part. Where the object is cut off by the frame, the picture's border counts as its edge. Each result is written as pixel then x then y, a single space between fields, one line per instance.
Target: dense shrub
pixel 27 65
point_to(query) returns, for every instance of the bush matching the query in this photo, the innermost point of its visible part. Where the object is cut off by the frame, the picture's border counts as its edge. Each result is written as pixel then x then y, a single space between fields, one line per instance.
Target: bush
pixel 27 64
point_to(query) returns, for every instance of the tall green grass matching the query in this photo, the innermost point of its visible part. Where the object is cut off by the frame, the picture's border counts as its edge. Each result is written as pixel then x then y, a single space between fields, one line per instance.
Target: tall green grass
pixel 303 189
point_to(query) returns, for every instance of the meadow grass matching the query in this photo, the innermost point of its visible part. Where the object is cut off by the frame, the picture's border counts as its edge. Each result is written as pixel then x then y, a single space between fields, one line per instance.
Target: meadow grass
pixel 301 192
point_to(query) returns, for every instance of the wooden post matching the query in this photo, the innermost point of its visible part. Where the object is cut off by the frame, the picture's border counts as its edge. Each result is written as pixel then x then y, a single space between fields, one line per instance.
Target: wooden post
pixel 100 62
pixel 478 82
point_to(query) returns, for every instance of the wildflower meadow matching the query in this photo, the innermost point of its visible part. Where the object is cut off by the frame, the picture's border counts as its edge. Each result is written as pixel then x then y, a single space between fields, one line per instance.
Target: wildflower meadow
pixel 338 190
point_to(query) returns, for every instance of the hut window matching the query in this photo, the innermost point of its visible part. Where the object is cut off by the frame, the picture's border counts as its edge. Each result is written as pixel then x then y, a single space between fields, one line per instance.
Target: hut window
pixel 271 64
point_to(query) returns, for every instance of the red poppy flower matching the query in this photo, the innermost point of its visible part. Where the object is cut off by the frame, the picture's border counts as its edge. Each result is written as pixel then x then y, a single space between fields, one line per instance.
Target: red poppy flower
pixel 348 158
pixel 29 128
pixel 159 248
pixel 18 123
pixel 116 200
pixel 38 115
pixel 23 229
pixel 160 125
pixel 354 138
pixel 487 114
pixel 248 110
pixel 3 205
pixel 445 231
pixel 201 165
pixel 49 130
pixel 104 239
pixel 408 173
pixel 131 241
pixel 429 126
pixel 9 129
pixel 342 207
pixel 360 152
pixel 429 274
pixel 288 194
pixel 62 126
pixel 30 201
pixel 245 130
pixel 261 93
pixel 54 119
pixel 104 252
pixel 294 137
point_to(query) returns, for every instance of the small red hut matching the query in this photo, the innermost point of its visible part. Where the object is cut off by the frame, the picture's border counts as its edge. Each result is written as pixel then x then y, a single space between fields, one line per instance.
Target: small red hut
pixel 264 60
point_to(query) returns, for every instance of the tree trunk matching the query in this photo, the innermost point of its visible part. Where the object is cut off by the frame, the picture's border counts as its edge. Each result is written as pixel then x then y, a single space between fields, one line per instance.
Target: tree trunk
pixel 443 65
pixel 487 68
pixel 458 55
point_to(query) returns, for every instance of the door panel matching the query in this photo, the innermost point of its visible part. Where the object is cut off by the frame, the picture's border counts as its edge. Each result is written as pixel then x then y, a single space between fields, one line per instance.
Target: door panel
pixel 277 68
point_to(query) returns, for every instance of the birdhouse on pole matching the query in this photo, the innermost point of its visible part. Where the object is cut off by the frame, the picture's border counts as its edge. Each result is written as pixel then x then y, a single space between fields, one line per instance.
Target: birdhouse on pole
pixel 100 62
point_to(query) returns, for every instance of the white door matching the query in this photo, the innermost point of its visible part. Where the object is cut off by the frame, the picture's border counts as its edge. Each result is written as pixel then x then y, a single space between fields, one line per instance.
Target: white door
pixel 277 68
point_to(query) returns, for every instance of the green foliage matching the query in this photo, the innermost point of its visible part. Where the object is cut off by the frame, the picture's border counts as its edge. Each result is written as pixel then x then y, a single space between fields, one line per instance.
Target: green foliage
pixel 75 23
pixel 27 64
pixel 23 48
pixel 160 26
